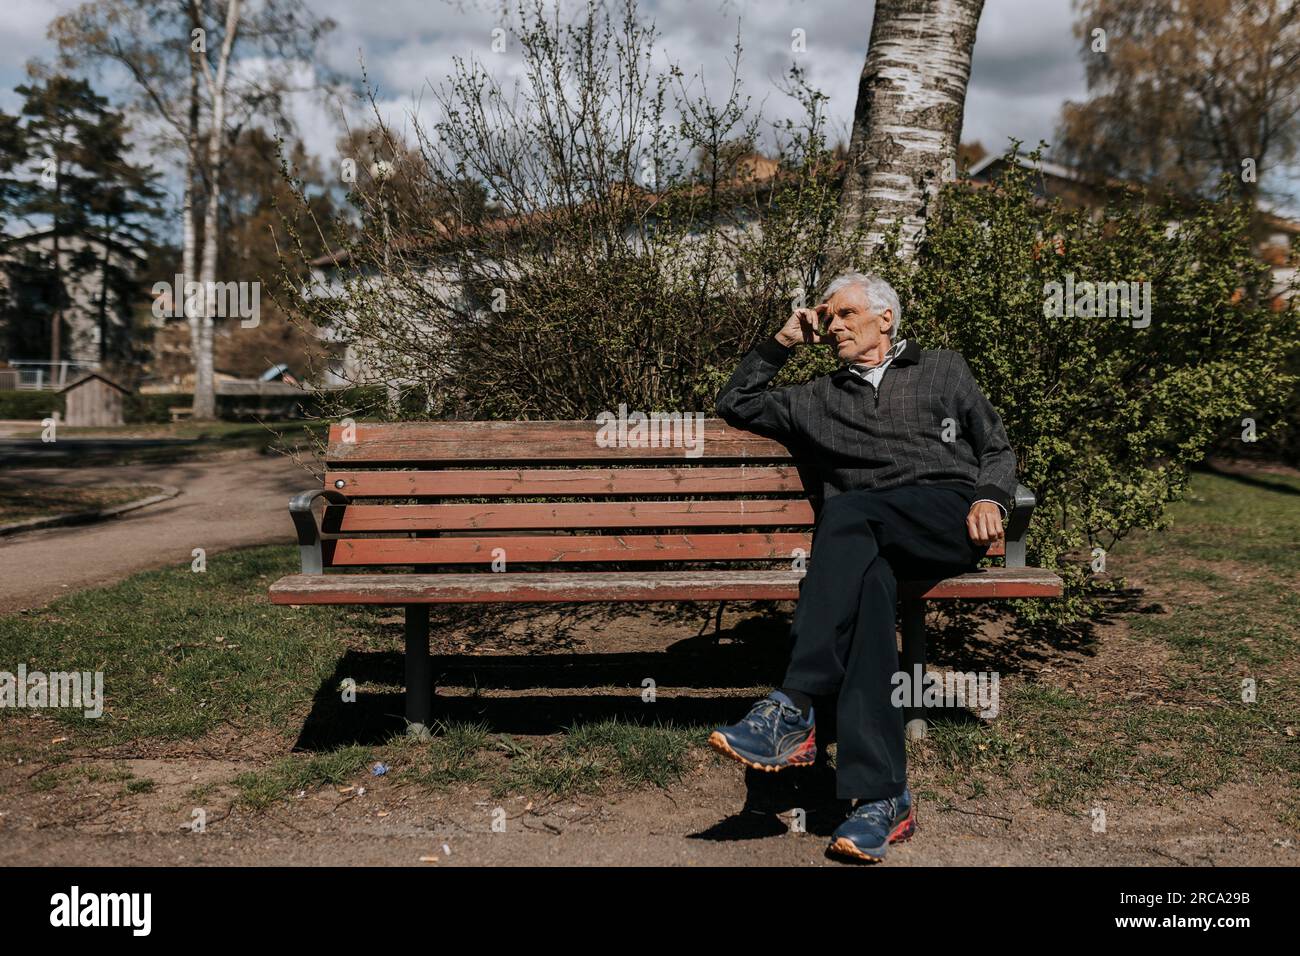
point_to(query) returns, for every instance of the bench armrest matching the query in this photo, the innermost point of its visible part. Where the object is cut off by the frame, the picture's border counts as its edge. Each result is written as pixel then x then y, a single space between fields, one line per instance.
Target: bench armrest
pixel 1022 507
pixel 304 522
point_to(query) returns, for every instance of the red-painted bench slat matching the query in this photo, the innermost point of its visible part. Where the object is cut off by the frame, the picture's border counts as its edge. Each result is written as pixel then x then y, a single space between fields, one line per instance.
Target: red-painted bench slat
pixel 568 515
pixel 564 517
pixel 497 442
pixel 775 585
pixel 565 548
pixel 566 482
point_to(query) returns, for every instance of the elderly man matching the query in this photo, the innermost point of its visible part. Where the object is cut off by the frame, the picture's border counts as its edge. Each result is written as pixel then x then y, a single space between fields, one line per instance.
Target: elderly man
pixel 917 477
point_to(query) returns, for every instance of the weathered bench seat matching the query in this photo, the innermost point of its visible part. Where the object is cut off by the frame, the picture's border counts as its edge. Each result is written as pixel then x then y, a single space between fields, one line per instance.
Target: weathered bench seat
pixel 420 513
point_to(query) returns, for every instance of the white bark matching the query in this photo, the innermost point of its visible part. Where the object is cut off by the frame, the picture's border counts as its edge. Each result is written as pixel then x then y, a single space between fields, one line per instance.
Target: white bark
pixel 205 402
pixel 189 234
pixel 907 122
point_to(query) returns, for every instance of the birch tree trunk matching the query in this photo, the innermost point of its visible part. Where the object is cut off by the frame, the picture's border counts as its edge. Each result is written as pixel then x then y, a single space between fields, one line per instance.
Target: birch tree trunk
pixel 189 234
pixel 205 399
pixel 907 122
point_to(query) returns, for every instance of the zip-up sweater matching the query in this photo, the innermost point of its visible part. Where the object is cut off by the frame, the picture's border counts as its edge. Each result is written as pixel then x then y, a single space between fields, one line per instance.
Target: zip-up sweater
pixel 927 422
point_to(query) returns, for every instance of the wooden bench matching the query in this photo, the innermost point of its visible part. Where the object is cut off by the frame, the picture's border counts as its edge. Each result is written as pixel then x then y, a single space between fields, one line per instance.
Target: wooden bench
pixel 416 513
pixel 180 413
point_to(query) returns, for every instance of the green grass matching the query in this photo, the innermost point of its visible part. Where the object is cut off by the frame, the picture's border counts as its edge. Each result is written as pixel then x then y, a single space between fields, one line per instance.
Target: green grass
pixel 211 652
pixel 457 753
pixel 587 758
pixel 186 654
pixel 262 788
pixel 183 653
pixel 1223 519
pixel 1229 622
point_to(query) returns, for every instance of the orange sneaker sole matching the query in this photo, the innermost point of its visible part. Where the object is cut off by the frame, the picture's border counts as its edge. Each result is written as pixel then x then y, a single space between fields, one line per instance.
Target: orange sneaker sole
pixel 843 846
pixel 802 757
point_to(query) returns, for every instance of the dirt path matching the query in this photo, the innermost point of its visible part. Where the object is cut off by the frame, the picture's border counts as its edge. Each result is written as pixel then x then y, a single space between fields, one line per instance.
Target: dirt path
pixel 225 502
pixel 701 821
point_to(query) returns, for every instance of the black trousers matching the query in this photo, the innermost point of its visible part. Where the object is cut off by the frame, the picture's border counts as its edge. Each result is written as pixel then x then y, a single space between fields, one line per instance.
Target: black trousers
pixel 843 627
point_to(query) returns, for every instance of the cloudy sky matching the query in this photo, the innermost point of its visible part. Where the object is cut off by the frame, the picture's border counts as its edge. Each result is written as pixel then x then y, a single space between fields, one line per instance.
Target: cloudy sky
pixel 1026 58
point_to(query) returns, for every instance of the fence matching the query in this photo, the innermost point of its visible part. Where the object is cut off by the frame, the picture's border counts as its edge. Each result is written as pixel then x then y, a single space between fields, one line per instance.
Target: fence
pixel 46 376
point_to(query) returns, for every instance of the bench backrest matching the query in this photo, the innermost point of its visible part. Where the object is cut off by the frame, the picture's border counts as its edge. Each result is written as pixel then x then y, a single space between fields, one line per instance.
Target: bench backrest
pixel 563 495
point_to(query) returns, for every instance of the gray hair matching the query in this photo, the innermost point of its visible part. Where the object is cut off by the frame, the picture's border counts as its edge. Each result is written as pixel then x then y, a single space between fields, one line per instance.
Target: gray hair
pixel 880 294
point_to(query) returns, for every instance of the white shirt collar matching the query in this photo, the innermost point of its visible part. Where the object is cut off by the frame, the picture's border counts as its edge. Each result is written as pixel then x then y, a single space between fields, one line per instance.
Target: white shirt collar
pixel 893 352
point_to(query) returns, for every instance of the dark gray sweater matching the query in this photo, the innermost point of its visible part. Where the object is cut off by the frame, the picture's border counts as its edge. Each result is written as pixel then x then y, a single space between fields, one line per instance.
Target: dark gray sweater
pixel 862 437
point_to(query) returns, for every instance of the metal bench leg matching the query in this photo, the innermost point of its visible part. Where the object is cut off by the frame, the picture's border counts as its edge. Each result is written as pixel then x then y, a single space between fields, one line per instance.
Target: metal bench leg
pixel 914 656
pixel 419 671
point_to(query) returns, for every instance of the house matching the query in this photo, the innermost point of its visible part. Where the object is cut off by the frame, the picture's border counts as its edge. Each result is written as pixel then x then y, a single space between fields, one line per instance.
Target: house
pixel 94 400
pixel 98 322
pixel 755 177
pixel 1276 239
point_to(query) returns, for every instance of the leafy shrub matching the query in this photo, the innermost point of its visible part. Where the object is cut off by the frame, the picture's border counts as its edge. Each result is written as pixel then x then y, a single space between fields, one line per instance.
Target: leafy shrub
pixel 29 405
pixel 1105 417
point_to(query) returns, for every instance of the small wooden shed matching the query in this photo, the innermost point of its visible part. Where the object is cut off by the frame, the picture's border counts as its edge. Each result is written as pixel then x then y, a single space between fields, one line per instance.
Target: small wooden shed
pixel 93 400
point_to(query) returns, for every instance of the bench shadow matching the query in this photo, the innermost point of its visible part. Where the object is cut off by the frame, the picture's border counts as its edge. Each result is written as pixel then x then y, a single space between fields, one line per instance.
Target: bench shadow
pixel 982 636
pixel 749 652
pixel 752 653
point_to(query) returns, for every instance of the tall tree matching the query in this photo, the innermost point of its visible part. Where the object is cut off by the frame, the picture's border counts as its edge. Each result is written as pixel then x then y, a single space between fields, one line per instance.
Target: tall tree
pixel 907 121
pixel 1179 94
pixel 262 217
pixel 81 191
pixel 123 209
pixel 204 70
pixel 13 154
pixel 57 115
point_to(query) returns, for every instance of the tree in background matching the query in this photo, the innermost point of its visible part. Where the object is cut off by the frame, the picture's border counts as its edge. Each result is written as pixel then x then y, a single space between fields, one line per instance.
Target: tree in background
pixel 203 70
pixel 81 191
pixel 907 121
pixel 56 115
pixel 1181 94
pixel 582 243
pixel 262 195
pixel 124 208
pixel 13 154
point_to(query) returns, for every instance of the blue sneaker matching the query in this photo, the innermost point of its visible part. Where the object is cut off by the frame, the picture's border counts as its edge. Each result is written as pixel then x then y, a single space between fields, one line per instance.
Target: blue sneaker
pixel 872 826
pixel 774 735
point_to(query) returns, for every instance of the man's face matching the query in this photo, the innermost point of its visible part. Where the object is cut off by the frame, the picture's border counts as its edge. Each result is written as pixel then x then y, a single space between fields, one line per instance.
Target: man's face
pixel 857 328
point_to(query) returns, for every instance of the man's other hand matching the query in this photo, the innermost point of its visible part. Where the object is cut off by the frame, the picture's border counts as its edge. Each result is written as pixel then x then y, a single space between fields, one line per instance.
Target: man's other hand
pixel 984 523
